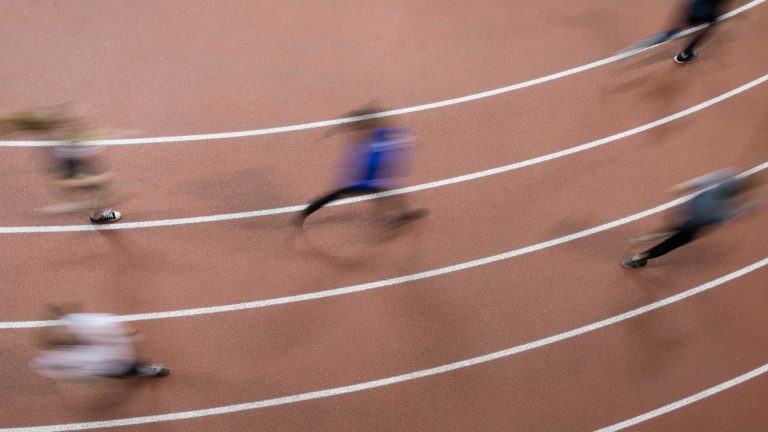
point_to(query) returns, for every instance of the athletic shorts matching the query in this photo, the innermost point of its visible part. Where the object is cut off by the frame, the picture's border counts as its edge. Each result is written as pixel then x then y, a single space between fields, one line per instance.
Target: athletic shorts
pixel 71 168
pixel 703 12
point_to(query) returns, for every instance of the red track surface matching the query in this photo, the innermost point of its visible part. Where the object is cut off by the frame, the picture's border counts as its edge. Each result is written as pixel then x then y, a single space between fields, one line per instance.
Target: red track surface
pixel 194 67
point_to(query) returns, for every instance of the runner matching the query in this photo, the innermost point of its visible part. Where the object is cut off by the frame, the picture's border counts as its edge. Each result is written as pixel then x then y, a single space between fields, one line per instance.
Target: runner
pixel 714 205
pixel 88 346
pixel 693 13
pixel 74 159
pixel 374 164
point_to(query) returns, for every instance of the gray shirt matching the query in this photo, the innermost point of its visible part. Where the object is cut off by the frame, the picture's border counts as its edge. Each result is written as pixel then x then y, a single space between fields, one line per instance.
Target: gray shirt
pixel 714 205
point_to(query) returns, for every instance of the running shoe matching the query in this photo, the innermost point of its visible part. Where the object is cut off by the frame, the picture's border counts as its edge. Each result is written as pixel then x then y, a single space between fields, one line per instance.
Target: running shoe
pixel 637 261
pixel 107 217
pixel 686 56
pixel 154 371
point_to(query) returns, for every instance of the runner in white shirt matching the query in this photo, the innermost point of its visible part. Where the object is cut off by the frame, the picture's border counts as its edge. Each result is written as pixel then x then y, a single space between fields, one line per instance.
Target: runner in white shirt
pixel 92 346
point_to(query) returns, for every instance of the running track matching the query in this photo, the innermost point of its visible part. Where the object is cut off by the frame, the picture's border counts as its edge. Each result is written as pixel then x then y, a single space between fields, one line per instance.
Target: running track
pixel 211 67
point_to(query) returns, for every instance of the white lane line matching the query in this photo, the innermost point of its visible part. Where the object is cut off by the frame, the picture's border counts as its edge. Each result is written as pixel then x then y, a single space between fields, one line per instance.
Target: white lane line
pixel 395 112
pixel 405 190
pixel 689 400
pixel 386 282
pixel 228 409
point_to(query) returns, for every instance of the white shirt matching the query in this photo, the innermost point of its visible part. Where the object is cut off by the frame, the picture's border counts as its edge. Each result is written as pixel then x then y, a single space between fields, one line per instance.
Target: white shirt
pixel 104 349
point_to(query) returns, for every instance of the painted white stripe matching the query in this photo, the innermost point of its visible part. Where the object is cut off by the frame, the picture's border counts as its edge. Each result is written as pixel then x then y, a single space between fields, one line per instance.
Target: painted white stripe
pixel 395 112
pixel 409 189
pixel 228 409
pixel 386 282
pixel 687 401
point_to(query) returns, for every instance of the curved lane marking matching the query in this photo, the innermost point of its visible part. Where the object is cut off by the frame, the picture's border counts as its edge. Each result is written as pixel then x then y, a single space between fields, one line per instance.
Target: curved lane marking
pixel 689 400
pixel 368 385
pixel 386 282
pixel 405 190
pixel 395 112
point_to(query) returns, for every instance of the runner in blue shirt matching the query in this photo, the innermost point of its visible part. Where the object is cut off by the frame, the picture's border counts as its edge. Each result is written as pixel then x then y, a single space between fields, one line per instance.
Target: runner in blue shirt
pixel 374 164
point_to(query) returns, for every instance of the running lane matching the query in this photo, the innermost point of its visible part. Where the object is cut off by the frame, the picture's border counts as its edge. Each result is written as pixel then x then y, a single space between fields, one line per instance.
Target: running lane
pixel 578 384
pixel 190 179
pixel 262 258
pixel 249 174
pixel 736 409
pixel 300 347
pixel 195 66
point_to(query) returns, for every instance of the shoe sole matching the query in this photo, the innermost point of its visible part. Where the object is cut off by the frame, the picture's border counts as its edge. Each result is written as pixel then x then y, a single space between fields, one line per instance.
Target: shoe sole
pixel 102 222
pixel 684 61
pixel 163 373
pixel 631 267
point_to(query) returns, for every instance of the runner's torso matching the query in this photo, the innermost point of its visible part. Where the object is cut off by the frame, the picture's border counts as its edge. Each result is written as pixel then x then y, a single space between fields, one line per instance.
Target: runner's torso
pixel 376 161
pixel 712 205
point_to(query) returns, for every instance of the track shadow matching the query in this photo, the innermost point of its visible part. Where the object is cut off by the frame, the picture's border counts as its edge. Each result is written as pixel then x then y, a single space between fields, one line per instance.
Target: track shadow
pixel 265 223
pixel 102 397
pixel 241 189
pixel 657 90
pixel 655 344
pixel 651 283
pixel 650 340
pixel 348 239
pixel 568 225
pixel 130 265
pixel 638 63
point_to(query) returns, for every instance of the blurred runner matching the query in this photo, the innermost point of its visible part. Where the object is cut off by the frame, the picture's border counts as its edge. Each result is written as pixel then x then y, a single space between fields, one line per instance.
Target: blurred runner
pixel 375 163
pixel 91 346
pixel 692 13
pixel 74 159
pixel 714 205
pixel 76 164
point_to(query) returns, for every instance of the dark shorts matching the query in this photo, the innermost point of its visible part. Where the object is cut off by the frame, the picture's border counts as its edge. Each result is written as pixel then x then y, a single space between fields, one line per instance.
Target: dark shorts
pixel 695 20
pixel 71 168
pixel 703 12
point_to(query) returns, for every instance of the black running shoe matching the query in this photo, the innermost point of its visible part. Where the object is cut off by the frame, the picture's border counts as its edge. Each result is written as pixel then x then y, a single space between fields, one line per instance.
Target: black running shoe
pixel 107 217
pixel 686 56
pixel 636 261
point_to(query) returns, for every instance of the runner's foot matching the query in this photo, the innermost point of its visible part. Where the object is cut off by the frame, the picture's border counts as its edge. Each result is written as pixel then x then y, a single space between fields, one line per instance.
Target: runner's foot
pixel 636 261
pixel 154 371
pixel 107 217
pixel 686 56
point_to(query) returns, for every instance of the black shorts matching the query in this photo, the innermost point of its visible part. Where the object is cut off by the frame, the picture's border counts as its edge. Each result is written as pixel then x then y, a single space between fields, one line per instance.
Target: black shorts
pixel 71 168
pixel 695 20
pixel 703 12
